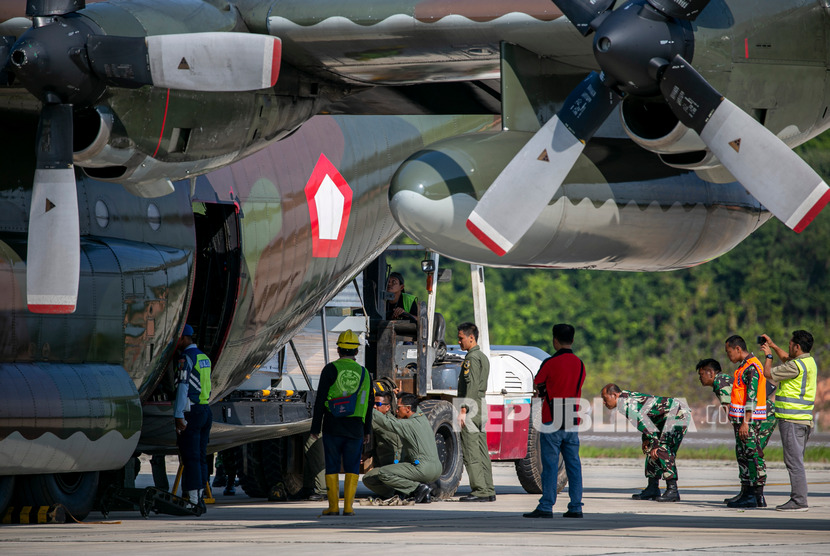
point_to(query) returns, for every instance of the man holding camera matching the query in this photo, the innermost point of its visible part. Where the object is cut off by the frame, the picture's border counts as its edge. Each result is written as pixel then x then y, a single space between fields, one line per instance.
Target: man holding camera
pixel 794 406
pixel 747 410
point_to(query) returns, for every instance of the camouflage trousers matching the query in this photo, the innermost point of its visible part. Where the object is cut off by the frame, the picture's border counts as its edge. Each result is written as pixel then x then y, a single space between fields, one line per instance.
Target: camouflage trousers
pixel 663 465
pixel 766 428
pixel 750 452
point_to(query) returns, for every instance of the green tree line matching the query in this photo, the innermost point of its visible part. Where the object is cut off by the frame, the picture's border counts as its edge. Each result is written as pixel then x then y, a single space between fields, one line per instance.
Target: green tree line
pixel 646 331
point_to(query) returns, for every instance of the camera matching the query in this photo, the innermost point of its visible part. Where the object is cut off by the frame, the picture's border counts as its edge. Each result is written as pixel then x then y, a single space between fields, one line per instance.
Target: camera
pixel 761 340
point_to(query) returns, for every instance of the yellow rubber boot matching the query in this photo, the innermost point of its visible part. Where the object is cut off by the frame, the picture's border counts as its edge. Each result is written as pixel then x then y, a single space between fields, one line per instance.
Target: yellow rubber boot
pixel 333 492
pixel 349 489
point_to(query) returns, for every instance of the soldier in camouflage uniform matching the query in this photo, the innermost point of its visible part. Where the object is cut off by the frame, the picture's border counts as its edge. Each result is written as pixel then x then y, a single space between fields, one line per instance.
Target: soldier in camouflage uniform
pixel 709 373
pixel 747 410
pixel 663 422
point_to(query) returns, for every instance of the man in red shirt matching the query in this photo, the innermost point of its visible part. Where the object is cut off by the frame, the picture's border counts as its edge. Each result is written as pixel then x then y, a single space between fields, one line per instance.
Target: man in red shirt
pixel 559 384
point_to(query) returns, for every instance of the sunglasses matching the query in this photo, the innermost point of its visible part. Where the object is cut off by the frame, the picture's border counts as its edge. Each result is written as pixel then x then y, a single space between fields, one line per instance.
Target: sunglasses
pixel 380 404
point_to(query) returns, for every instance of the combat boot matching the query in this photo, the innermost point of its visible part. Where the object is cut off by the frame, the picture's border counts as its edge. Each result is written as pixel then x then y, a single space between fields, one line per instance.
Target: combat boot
pixel 738 496
pixel 746 501
pixel 759 496
pixel 651 492
pixel 671 494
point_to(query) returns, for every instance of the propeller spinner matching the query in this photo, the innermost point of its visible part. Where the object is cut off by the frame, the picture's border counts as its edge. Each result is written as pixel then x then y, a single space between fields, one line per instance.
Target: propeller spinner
pixel 64 60
pixel 642 49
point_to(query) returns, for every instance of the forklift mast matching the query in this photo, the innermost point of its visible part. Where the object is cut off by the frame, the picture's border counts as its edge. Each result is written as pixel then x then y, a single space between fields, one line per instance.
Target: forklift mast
pixel 406 351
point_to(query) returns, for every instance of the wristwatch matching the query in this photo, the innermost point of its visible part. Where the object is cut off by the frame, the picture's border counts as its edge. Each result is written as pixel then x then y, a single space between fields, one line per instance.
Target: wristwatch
pixel 769 356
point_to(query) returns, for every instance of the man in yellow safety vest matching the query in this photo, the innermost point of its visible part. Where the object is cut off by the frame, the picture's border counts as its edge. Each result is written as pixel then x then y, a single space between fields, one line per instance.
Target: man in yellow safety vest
pixel 794 402
pixel 343 413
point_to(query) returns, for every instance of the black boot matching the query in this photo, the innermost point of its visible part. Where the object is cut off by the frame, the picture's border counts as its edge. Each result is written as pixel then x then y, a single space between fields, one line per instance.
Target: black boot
pixel 671 494
pixel 759 496
pixel 737 496
pixel 745 501
pixel 651 492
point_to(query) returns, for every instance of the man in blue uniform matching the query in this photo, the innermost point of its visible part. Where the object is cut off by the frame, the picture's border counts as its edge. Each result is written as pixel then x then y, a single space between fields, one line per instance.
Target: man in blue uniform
pixel 192 414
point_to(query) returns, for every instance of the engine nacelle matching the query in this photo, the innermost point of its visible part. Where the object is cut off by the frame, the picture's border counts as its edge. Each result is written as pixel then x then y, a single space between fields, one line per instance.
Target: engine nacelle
pixel 653 126
pixel 111 156
pixel 619 208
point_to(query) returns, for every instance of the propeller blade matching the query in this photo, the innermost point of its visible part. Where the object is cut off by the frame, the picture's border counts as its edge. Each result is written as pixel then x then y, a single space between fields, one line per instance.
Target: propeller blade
pixel 581 12
pixel 53 259
pixel 759 160
pixel 190 61
pixel 524 188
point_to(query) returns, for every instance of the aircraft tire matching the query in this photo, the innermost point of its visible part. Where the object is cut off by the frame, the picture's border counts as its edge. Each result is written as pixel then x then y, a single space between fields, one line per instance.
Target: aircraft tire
pixel 75 491
pixel 250 471
pixel 6 491
pixel 275 457
pixel 440 415
pixel 529 469
pixel 262 466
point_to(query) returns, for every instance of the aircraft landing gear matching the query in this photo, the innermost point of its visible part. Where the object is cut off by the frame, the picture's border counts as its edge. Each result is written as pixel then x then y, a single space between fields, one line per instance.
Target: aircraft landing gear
pixel 75 491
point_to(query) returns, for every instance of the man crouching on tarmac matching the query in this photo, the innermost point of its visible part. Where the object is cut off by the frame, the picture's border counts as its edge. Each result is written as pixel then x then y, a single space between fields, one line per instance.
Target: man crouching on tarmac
pixel 421 465
pixel 663 422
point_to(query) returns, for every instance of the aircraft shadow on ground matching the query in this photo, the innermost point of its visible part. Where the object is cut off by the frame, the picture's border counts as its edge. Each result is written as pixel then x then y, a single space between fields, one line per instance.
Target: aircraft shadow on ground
pixel 420 519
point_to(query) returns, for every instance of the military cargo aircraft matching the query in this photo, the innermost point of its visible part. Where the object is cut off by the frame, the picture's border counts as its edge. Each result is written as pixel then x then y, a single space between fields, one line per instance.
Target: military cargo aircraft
pixel 232 164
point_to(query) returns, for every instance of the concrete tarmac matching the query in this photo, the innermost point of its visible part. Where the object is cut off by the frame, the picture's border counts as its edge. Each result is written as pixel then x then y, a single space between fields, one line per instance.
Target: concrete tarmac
pixel 613 523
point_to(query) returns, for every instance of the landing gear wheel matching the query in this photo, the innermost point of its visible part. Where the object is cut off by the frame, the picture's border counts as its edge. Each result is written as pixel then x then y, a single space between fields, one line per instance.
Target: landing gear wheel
pixel 448 441
pixel 529 469
pixel 75 491
pixel 264 465
pixel 251 476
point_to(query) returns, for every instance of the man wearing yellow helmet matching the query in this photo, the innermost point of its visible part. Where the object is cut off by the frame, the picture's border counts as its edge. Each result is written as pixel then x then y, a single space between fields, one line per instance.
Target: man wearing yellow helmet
pixel 342 411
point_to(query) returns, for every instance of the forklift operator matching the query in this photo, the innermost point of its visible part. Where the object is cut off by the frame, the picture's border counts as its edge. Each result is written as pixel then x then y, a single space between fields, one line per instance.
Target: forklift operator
pixel 400 305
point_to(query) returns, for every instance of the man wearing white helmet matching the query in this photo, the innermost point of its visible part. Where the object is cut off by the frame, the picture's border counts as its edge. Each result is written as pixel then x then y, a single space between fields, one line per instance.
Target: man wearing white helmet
pixel 342 411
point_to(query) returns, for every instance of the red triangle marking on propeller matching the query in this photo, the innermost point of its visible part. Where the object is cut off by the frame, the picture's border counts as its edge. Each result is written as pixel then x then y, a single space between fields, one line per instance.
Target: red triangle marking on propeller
pixel 736 144
pixel 183 65
pixel 49 205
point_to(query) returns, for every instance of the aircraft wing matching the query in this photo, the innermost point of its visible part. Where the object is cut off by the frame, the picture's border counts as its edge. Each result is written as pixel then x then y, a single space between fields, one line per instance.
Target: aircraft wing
pixel 423 42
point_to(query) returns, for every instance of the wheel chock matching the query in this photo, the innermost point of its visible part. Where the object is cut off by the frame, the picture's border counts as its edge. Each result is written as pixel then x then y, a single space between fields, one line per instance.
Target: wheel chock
pixel 55 513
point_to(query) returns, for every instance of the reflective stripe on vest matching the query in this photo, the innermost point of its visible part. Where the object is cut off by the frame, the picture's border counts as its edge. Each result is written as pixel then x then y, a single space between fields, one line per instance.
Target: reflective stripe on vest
pixel 796 396
pixel 349 375
pixel 738 400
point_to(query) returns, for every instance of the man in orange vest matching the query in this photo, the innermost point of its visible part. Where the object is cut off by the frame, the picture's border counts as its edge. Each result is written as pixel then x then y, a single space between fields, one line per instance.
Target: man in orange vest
pixel 747 410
